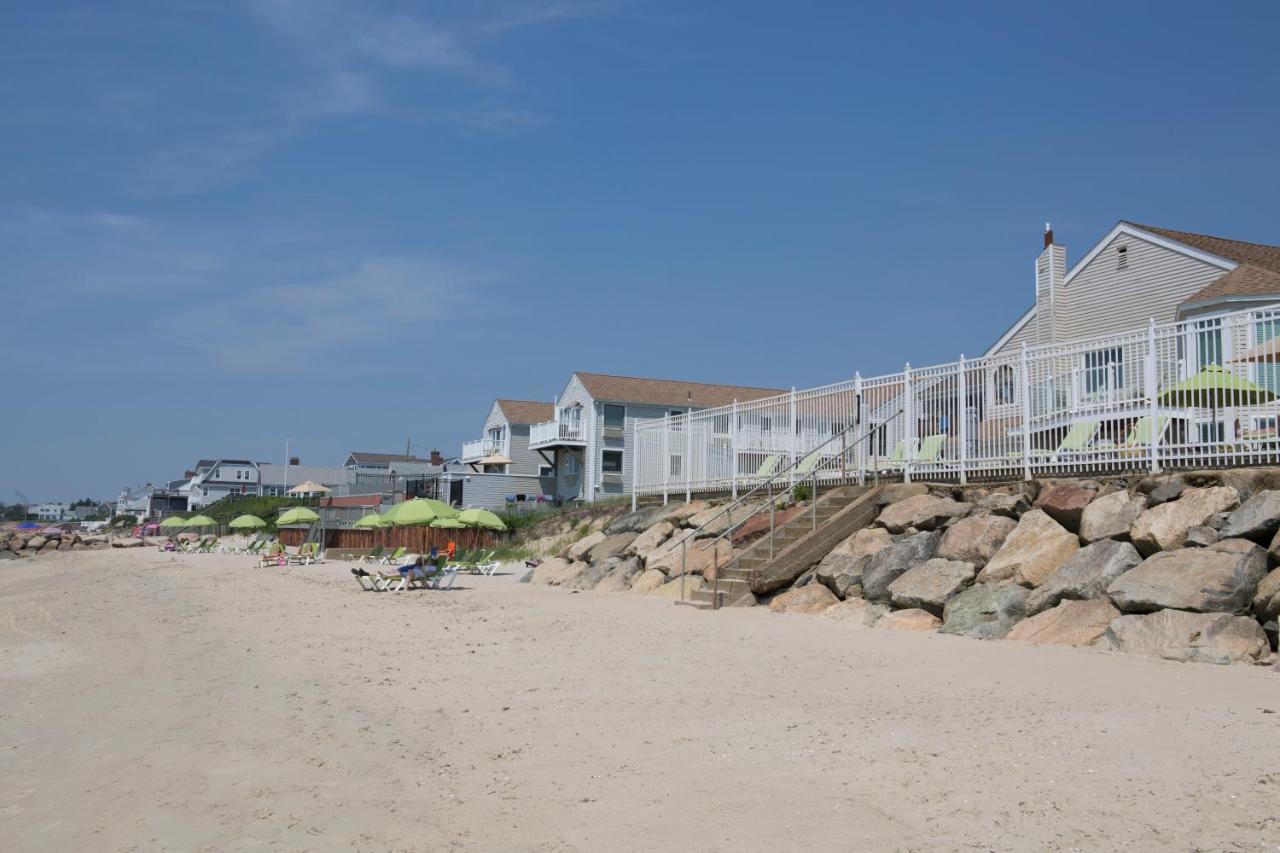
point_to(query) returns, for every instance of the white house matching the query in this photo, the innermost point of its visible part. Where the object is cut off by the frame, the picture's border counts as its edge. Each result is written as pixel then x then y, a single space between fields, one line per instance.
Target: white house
pixel 49 511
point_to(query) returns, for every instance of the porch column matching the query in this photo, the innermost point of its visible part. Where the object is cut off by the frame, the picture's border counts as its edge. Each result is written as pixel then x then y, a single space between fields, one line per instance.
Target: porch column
pixel 1153 390
pixel 733 450
pixel 962 412
pixel 908 424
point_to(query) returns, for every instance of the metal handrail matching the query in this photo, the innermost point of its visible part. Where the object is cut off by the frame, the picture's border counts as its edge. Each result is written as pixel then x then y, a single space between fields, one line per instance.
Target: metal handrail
pixel 768 486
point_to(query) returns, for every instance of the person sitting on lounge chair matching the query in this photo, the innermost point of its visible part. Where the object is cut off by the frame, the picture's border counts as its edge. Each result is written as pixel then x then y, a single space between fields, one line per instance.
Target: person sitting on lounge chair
pixel 411 570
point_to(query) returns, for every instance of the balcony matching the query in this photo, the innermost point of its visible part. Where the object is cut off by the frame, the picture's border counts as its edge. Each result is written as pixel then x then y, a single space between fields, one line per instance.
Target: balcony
pixel 557 433
pixel 474 451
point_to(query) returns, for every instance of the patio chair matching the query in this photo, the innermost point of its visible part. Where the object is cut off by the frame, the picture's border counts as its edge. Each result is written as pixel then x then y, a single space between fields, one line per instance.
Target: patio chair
pixel 768 467
pixel 272 556
pixel 375 580
pixel 388 559
pixel 1076 441
pixel 1139 437
pixel 373 556
pixel 931 448
pixel 898 458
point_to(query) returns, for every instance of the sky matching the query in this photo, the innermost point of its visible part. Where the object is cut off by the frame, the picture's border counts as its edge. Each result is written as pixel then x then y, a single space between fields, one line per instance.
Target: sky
pixel 351 225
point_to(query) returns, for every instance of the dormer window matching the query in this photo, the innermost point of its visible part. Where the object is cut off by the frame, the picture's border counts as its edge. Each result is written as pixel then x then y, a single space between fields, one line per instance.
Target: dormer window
pixel 1122 257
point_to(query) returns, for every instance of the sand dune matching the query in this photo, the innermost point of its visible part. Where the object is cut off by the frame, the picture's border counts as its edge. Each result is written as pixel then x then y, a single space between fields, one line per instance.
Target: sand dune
pixel 191 702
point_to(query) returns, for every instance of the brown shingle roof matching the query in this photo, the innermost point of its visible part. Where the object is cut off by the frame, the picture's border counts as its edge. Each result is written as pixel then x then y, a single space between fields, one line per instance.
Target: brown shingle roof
pixel 668 392
pixel 362 458
pixel 526 411
pixel 1257 254
pixel 1244 280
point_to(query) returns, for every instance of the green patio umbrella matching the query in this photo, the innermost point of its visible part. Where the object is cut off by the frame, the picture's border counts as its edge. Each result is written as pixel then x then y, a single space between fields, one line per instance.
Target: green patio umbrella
pixel 371 520
pixel 247 522
pixel 297 515
pixel 1215 387
pixel 200 521
pixel 449 523
pixel 482 518
pixel 416 511
pixel 173 521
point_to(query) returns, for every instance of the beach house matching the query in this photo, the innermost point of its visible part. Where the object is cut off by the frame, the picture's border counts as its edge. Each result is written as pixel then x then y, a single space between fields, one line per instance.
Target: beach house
pixel 589 440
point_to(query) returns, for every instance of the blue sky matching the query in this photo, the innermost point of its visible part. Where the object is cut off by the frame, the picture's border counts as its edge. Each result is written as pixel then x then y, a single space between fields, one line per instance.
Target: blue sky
pixel 352 224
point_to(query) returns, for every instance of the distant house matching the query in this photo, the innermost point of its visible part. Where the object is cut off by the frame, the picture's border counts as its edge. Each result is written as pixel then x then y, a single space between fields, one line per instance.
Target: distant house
pixel 49 511
pixel 214 479
pixel 589 440
pixel 500 468
pixel 150 501
pixel 275 479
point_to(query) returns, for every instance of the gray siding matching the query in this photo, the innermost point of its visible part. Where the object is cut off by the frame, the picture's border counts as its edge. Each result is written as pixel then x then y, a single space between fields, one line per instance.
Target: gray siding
pixel 489 491
pixel 524 462
pixel 570 487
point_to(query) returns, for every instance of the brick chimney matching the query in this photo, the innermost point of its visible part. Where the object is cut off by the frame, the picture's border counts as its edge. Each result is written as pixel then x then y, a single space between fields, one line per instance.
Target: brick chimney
pixel 436 458
pixel 1051 271
pixel 293 460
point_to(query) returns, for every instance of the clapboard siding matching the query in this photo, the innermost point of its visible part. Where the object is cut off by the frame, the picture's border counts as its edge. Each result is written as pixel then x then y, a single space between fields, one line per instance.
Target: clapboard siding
pixel 489 491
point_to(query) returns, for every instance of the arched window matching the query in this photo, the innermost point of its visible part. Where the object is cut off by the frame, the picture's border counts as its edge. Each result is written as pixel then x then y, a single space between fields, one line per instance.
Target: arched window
pixel 1004 385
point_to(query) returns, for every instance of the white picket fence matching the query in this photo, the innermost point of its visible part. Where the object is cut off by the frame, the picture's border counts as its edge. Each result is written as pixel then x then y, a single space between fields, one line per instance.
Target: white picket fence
pixel 1196 393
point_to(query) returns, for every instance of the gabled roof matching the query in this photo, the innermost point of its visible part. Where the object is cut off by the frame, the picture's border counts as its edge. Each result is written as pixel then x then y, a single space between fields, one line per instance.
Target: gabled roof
pixel 526 411
pixel 668 392
pixel 1257 254
pixel 359 457
pixel 1244 280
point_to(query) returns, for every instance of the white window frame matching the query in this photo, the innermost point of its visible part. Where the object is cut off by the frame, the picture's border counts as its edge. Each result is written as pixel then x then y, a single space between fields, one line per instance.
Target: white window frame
pixel 621 459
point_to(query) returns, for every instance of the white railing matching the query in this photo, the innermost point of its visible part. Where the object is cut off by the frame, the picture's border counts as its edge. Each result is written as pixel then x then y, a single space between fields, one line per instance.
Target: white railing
pixel 1191 393
pixel 554 432
pixel 480 448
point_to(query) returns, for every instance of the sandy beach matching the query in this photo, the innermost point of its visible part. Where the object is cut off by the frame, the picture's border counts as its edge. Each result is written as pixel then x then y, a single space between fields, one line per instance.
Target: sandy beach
pixel 156 701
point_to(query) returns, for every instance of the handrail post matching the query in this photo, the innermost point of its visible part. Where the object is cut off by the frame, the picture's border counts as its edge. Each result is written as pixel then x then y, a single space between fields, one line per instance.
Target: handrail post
pixel 792 440
pixel 715 578
pixel 770 494
pixel 666 454
pixel 962 412
pixel 1152 383
pixel 1026 416
pixel 684 554
pixel 908 424
pixel 857 420
pixel 813 500
pixel 733 450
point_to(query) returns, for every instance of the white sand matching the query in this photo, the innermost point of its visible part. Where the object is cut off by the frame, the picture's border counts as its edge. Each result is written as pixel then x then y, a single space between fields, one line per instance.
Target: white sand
pixel 191 702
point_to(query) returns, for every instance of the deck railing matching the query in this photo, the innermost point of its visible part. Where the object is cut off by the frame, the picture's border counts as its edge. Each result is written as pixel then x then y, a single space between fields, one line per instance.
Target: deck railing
pixel 1198 392
pixel 480 448
pixel 551 432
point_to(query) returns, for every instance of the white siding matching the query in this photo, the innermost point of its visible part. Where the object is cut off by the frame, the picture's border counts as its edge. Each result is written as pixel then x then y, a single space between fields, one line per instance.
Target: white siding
pixel 584 486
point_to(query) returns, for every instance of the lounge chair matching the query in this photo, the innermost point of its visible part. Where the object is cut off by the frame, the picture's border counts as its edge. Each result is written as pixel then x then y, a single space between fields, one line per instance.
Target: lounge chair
pixel 931 448
pixel 441 578
pixel 1139 437
pixel 388 559
pixel 481 563
pixel 898 458
pixel 373 556
pixel 272 556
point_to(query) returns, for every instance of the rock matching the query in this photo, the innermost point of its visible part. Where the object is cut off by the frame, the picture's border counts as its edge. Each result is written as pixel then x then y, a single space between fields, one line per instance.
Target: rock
pixel 985 611
pixel 1036 547
pixel 79 546
pixel 651 538
pixel 1168 489
pixel 921 512
pixel 612 546
pixel 1200 537
pixel 49 547
pixel 894 492
pixel 702 556
pixel 677 513
pixel 890 563
pixel 1071 623
pixel 65 545
pixel 856 611
pixel 1066 502
pixel 17 543
pixel 579 549
pixel 813 598
pixel 908 620
pixel 1086 574
pixel 1221 578
pixel 591 575
pixel 866 542
pixel 1218 638
pixel 1111 516
pixel 1266 599
pixel 648 581
pixel 557 571
pixel 679 587
pixel 1257 518
pixel 715 520
pixel 975 539
pixel 1010 506
pixel 620 577
pixel 842 574
pixel 634 522
pixel 929 585
pixel 37 542
pixel 127 543
pixel 1164 527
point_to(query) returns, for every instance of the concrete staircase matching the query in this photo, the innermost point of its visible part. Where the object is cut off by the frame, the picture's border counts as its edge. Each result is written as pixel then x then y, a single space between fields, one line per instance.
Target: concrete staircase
pixel 796 545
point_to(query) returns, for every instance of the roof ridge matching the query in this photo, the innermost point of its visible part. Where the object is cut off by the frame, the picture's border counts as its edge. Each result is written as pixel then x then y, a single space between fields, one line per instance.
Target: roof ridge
pixel 678 381
pixel 1160 229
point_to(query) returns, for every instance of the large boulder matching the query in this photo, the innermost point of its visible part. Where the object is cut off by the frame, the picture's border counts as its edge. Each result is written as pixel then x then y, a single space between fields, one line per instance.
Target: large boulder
pixel 1164 527
pixel 866 542
pixel 1218 638
pixel 842 574
pixel 700 556
pixel 610 547
pixel 1008 505
pixel 976 539
pixel 620 576
pixel 908 620
pixel 921 512
pixel 929 585
pixel 679 587
pixel 1066 502
pixel 650 538
pixel 1086 574
pixel 634 522
pixel 124 543
pixel 811 598
pixel 985 611
pixel 1266 599
pixel 578 550
pixel 892 562
pixel 894 492
pixel 1257 518
pixel 37 542
pixel 1167 489
pixel 647 581
pixel 856 611
pixel 1111 516
pixel 716 520
pixel 1036 547
pixel 557 571
pixel 1071 623
pixel 1219 579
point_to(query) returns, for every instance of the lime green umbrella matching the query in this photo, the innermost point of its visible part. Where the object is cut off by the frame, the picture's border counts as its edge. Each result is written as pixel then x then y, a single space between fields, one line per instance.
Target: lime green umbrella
pixel 449 523
pixel 371 520
pixel 1215 387
pixel 200 521
pixel 247 522
pixel 416 511
pixel 173 521
pixel 482 518
pixel 297 515
pixel 442 509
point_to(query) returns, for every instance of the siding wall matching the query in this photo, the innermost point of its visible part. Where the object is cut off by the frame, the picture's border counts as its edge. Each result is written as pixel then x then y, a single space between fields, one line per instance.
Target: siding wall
pixel 490 491
pixel 584 486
